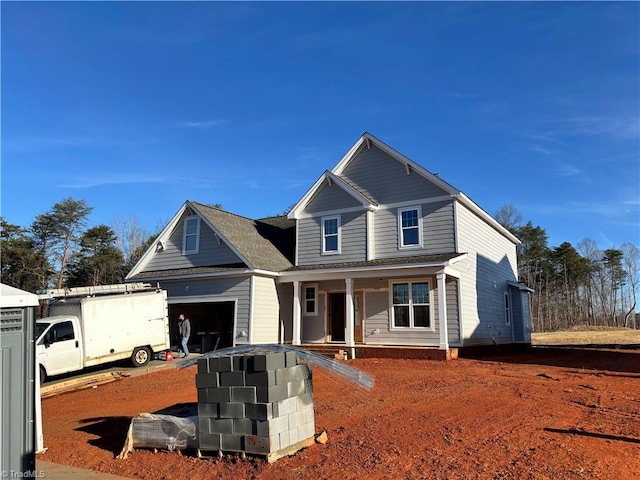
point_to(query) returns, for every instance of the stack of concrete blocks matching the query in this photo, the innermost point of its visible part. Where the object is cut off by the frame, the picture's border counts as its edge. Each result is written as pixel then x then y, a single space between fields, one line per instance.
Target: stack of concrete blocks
pixel 259 404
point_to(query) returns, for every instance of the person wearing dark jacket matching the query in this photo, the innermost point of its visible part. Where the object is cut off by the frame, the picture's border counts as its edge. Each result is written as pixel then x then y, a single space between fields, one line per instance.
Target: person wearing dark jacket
pixel 184 332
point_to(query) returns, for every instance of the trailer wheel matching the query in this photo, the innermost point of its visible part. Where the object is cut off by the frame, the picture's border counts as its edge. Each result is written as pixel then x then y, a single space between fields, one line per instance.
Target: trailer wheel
pixel 140 356
pixel 43 374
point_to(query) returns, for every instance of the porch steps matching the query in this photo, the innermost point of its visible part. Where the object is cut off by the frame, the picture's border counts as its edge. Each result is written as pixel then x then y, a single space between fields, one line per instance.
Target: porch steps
pixel 330 351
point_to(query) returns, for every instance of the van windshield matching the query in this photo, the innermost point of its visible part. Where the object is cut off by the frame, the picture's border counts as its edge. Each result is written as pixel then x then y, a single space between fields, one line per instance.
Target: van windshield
pixel 41 327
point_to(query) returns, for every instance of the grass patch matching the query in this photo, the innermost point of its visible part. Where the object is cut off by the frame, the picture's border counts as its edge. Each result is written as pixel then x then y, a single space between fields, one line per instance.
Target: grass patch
pixel 588 336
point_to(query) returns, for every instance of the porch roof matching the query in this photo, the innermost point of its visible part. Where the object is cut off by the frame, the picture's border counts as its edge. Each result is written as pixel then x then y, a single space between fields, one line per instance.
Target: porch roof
pixel 441 259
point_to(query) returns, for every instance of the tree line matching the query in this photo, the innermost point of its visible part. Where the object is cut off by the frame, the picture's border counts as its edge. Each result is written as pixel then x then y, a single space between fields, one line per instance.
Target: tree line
pixel 571 286
pixel 574 286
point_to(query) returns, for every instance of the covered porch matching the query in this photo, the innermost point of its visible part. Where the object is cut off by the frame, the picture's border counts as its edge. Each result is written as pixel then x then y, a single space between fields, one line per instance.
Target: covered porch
pixel 359 308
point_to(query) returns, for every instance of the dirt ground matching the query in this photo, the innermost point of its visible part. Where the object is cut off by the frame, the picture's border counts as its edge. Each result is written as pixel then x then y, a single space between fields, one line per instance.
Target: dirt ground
pixel 542 414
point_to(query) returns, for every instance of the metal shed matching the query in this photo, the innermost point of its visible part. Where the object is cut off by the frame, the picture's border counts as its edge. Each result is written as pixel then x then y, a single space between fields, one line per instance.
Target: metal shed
pixel 17 372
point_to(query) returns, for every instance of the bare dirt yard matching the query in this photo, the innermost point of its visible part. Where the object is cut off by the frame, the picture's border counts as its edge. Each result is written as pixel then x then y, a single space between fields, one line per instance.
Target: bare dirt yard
pixel 542 414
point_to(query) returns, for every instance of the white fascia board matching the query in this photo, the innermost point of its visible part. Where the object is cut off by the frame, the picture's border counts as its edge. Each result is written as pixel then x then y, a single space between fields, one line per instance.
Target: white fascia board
pixel 162 237
pixel 419 169
pixel 221 236
pixel 486 217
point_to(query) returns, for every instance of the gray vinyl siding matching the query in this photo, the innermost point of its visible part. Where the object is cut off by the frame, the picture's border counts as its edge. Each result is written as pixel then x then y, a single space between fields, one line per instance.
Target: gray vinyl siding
pixel 490 264
pixel 227 289
pixel 313 327
pixel 385 179
pixel 265 314
pixel 353 240
pixel 330 198
pixel 210 253
pixel 438 233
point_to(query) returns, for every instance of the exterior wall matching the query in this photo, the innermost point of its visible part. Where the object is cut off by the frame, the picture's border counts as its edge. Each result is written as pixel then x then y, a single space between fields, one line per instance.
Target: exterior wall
pixel 330 198
pixel 438 234
pixel 385 179
pixel 313 327
pixel 209 252
pixel 353 239
pixel 265 314
pixel 491 263
pixel 225 289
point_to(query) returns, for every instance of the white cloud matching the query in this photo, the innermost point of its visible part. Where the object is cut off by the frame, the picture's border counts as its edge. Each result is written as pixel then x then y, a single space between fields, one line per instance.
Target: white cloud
pixel 202 124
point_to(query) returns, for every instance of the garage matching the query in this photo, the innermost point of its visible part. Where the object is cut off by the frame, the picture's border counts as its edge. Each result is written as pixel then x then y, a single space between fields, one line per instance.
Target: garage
pixel 212 323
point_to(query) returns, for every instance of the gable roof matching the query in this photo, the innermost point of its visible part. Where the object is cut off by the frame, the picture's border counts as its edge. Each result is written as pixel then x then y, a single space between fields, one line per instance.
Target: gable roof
pixel 265 244
pixel 366 141
pixel 331 178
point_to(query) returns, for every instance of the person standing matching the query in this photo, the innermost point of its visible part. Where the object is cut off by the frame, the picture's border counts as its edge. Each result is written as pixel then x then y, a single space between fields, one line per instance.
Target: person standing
pixel 184 332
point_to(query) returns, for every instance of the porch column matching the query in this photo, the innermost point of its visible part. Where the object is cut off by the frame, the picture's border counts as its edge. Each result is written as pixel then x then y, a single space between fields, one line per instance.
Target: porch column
pixel 442 310
pixel 296 338
pixel 350 314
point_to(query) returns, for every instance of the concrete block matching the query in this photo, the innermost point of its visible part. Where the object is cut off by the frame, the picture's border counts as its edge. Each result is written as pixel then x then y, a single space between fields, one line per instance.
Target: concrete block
pixel 308 386
pixel 243 426
pixel 293 435
pixel 271 394
pixel 306 431
pixel 202 395
pixel 271 427
pixel 258 411
pixel 225 364
pixel 221 425
pixel 290 359
pixel 282 408
pixel 261 379
pixel 203 425
pixel 305 368
pixel 209 441
pixel 213 364
pixel 243 394
pixel 231 410
pixel 297 388
pixel 232 442
pixel 218 395
pixel 261 444
pixel 268 361
pixel 284 439
pixel 207 380
pixel 229 379
pixel 203 365
pixel 304 400
pixel 207 409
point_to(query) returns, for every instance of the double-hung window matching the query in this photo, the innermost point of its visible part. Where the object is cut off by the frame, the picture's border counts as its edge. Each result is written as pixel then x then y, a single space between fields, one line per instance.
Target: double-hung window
pixel 191 235
pixel 311 300
pixel 410 227
pixel 331 235
pixel 410 305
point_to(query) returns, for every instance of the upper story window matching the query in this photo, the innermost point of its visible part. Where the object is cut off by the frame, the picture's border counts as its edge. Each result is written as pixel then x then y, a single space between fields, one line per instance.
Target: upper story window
pixel 410 227
pixel 311 300
pixel 331 234
pixel 191 235
pixel 411 305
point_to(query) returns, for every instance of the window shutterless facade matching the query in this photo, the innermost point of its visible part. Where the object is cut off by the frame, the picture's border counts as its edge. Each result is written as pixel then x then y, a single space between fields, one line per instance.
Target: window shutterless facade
pixel 331 235
pixel 410 227
pixel 191 235
pixel 410 305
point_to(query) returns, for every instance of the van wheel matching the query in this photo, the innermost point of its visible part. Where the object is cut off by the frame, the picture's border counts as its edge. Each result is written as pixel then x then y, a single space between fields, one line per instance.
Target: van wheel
pixel 140 356
pixel 43 374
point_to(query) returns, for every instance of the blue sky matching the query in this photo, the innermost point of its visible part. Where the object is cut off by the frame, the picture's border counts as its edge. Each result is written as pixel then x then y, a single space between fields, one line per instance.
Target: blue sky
pixel 136 107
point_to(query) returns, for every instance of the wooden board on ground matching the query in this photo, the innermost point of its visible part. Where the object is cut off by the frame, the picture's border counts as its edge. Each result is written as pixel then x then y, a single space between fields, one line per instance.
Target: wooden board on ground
pixel 81 383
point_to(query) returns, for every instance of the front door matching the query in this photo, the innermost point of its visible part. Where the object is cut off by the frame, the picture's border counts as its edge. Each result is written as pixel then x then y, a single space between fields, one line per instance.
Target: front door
pixel 337 315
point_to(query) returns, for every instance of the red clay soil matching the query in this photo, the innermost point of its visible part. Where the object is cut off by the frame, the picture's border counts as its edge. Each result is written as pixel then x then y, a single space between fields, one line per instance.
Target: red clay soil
pixel 543 414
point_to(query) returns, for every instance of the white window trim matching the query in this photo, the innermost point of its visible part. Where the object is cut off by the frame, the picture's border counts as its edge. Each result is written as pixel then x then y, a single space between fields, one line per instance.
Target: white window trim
pixel 401 244
pixel 315 300
pixel 339 235
pixel 411 327
pixel 184 236
pixel 507 310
